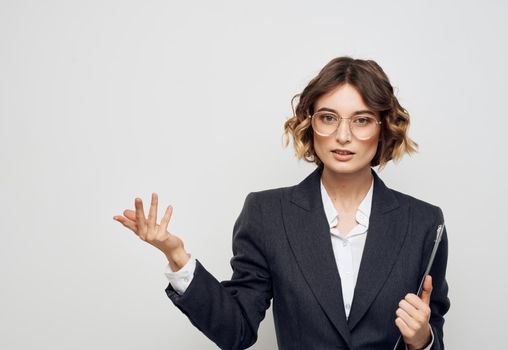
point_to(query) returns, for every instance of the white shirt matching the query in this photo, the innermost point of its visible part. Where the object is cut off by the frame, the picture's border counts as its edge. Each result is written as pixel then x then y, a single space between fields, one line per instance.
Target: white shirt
pixel 347 250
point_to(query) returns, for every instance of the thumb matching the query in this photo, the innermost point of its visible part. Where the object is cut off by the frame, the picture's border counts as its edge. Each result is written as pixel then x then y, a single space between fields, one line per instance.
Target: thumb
pixel 427 289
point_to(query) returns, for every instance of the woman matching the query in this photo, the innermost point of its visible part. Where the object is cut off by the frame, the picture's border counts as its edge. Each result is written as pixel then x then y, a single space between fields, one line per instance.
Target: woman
pixel 340 254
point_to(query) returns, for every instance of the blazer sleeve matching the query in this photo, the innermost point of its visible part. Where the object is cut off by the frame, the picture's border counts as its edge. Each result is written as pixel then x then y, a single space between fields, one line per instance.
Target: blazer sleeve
pixel 229 312
pixel 439 302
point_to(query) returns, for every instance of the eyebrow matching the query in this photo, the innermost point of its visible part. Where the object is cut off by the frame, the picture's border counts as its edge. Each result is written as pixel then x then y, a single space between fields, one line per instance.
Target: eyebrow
pixel 364 111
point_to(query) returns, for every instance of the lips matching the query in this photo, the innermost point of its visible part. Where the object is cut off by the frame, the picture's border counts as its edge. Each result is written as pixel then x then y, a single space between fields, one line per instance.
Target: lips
pixel 344 152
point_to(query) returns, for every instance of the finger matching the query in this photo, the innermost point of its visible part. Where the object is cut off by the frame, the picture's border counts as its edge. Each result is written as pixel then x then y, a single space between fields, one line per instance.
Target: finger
pixel 165 219
pixel 415 301
pixel 140 217
pixel 127 223
pixel 427 289
pixel 416 308
pixel 408 320
pixel 404 329
pixel 130 214
pixel 408 307
pixel 152 214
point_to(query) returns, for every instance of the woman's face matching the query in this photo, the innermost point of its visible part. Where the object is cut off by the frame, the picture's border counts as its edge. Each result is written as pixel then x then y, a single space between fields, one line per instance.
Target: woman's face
pixel 346 101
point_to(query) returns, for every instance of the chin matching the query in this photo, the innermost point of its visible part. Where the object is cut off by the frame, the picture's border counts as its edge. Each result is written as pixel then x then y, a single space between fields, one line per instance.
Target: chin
pixel 346 170
pixel 349 167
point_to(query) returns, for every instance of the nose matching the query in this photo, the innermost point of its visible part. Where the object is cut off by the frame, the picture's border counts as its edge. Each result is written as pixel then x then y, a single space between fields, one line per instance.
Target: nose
pixel 343 133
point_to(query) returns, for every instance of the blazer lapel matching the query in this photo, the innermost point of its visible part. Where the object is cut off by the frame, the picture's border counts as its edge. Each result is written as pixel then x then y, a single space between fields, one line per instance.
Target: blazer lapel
pixel 308 233
pixel 388 226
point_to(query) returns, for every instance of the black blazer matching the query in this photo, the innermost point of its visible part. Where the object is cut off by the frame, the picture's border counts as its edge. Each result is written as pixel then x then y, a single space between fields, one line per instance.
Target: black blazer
pixel 282 250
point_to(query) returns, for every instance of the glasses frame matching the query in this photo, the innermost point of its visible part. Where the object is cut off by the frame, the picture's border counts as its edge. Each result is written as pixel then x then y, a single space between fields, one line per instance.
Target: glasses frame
pixel 339 118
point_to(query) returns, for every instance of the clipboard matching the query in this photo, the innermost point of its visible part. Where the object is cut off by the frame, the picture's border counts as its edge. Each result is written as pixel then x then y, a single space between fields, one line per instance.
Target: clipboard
pixel 439 234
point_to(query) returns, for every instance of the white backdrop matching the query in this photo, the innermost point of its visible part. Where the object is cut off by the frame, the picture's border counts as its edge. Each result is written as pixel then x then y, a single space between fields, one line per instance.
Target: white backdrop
pixel 95 101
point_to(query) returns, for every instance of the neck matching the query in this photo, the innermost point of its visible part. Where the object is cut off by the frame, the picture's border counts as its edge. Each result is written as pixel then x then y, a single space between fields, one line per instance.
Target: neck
pixel 347 190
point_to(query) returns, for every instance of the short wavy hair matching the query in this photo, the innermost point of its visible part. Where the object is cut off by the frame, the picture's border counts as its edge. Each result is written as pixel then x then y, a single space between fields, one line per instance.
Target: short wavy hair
pixel 374 86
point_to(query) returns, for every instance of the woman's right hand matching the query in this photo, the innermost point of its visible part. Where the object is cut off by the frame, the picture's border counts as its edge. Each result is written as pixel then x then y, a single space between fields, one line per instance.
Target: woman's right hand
pixel 157 235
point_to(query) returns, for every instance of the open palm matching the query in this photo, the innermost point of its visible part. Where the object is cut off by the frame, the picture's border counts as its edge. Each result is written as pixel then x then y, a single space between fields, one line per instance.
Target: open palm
pixel 147 229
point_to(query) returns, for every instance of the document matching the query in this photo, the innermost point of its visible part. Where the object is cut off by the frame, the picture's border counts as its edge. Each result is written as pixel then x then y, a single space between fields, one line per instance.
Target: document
pixel 439 234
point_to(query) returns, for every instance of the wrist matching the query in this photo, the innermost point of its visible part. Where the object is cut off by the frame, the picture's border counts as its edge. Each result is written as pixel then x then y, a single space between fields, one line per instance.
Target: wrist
pixel 177 259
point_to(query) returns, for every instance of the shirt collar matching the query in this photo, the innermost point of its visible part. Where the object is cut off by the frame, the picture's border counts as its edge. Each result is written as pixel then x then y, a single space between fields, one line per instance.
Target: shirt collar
pixel 362 213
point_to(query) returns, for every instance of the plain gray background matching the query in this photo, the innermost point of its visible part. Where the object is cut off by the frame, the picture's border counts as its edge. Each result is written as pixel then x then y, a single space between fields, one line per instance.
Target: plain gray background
pixel 97 100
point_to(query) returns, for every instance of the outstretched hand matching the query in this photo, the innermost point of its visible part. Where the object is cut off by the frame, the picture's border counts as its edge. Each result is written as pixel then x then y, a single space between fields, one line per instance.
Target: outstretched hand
pixel 155 234
pixel 413 317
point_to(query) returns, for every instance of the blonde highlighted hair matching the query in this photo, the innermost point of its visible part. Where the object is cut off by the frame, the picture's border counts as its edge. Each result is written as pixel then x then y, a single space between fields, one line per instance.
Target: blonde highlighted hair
pixel 374 86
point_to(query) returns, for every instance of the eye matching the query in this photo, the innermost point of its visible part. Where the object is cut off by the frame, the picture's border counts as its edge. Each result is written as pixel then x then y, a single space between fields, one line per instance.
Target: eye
pixel 363 120
pixel 327 118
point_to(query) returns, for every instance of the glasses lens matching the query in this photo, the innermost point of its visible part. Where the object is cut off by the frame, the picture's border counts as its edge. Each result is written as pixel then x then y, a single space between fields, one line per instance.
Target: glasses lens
pixel 325 123
pixel 362 127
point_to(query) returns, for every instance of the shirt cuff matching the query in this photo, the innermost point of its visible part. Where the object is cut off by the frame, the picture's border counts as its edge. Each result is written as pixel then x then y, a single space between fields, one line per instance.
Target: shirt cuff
pixel 181 279
pixel 431 340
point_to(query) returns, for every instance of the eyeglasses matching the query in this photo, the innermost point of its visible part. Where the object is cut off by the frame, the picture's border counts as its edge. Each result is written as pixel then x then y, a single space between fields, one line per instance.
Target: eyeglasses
pixel 326 123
